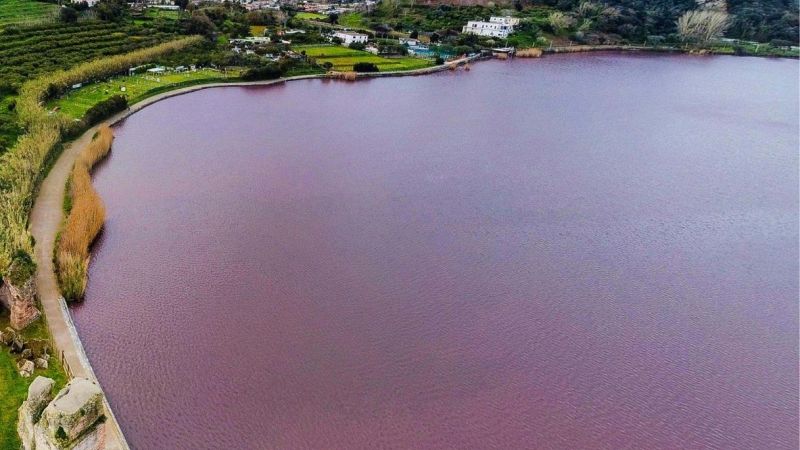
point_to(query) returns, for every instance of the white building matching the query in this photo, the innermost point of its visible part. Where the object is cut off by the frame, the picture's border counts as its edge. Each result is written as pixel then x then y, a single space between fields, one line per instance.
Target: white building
pixel 409 41
pixel 348 37
pixel 496 27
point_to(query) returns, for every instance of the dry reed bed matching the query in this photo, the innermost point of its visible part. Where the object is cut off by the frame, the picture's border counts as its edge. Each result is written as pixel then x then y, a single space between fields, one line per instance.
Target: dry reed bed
pixel 346 76
pixel 529 53
pixel 85 219
pixel 22 166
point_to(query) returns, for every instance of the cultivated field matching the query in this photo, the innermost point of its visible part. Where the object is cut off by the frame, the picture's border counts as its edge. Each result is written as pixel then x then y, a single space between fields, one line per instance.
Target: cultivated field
pixel 344 58
pixel 26 12
pixel 310 16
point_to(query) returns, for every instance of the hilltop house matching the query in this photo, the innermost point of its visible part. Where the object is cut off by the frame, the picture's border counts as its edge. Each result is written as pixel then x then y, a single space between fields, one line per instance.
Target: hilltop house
pixel 349 37
pixel 497 26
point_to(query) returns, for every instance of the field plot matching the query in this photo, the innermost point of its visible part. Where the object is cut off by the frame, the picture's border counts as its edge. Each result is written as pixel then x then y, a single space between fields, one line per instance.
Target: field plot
pixel 25 12
pixel 58 46
pixel 310 16
pixel 344 58
pixel 137 87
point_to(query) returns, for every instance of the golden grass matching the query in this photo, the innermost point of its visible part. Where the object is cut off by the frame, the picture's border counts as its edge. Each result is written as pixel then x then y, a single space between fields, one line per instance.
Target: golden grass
pixel 85 219
pixel 346 76
pixel 500 55
pixel 529 53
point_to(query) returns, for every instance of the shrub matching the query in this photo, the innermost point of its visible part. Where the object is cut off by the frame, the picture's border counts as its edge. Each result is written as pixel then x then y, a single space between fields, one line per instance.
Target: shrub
pixel 267 72
pixel 364 67
pixel 105 109
pixel 22 268
pixel 68 14
pixel 357 45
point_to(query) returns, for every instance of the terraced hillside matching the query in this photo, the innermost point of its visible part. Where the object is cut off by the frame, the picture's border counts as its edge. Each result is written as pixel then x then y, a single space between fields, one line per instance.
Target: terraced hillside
pixel 31 51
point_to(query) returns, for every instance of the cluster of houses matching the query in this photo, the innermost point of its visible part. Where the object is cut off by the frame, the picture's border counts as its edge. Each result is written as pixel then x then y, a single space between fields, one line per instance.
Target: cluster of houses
pixel 338 8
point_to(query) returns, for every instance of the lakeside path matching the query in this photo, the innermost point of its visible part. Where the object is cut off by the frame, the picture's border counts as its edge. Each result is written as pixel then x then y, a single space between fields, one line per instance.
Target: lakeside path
pixel 47 215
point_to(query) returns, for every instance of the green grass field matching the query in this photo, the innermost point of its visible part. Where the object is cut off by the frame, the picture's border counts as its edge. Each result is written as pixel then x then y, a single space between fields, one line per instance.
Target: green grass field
pixel 351 20
pixel 310 16
pixel 14 389
pixel 26 12
pixel 75 103
pixel 158 13
pixel 344 58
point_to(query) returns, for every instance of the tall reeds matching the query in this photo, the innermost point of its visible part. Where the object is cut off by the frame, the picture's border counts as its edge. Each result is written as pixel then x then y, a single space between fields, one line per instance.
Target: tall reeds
pixel 22 166
pixel 85 219
pixel 529 53
pixel 346 76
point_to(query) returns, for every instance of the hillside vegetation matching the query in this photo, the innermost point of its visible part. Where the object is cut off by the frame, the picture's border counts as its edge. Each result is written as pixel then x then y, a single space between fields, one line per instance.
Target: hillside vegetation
pixel 26 12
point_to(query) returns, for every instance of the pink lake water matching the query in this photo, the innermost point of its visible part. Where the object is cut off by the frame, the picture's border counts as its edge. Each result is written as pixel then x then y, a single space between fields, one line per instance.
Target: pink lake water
pixel 583 251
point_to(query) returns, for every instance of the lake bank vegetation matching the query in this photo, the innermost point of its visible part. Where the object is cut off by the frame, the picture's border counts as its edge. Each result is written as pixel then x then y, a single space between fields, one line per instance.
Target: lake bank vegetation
pixel 85 217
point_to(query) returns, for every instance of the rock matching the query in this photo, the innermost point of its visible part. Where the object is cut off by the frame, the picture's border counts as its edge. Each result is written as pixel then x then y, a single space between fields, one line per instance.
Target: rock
pixel 25 367
pixel 8 335
pixel 76 409
pixel 26 353
pixel 74 420
pixel 40 363
pixel 17 345
pixel 20 300
pixel 40 393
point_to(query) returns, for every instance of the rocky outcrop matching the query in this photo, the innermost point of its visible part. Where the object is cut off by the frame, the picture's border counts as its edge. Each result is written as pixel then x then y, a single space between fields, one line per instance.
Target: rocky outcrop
pixel 40 393
pixel 20 301
pixel 74 419
pixel 31 354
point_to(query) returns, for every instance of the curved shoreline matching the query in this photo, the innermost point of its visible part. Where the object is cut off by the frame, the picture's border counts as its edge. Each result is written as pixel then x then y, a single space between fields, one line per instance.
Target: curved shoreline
pixel 47 215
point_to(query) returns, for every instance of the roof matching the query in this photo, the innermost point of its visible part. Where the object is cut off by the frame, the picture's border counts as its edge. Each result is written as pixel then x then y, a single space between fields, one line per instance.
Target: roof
pixel 351 33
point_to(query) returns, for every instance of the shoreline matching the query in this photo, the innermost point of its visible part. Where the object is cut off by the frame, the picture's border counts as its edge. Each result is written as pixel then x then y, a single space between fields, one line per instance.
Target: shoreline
pixel 47 215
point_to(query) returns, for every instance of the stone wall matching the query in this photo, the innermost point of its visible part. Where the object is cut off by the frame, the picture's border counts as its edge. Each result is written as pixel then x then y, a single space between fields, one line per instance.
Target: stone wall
pixel 74 419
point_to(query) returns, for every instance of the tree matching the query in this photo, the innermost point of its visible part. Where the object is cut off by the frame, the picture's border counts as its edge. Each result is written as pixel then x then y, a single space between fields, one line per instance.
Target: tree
pixel 112 10
pixel 182 4
pixel 333 18
pixel 357 45
pixel 199 23
pixel 414 34
pixel 365 67
pixel 703 26
pixel 68 15
pixel 560 22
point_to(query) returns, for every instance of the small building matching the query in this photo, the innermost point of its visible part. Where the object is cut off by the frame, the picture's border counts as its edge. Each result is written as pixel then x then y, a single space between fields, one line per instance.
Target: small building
pixel 409 41
pixel 496 27
pixel 349 37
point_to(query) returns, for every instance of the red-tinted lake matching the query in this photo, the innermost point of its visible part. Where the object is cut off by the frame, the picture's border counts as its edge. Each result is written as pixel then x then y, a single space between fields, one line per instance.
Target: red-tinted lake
pixel 578 251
